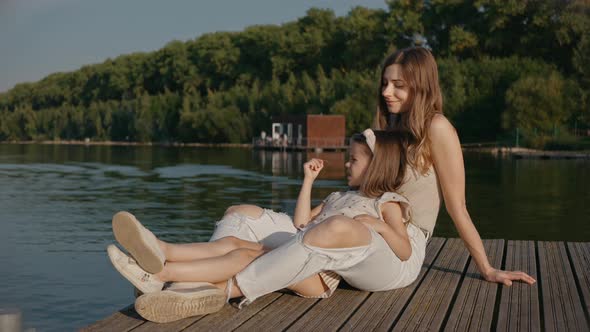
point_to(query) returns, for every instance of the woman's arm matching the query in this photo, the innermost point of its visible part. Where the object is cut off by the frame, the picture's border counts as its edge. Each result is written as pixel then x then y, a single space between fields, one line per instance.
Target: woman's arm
pixel 447 157
pixel 303 211
pixel 393 230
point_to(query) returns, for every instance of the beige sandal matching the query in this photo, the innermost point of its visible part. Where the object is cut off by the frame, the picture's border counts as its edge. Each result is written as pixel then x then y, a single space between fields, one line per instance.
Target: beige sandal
pixel 144 281
pixel 179 301
pixel 138 241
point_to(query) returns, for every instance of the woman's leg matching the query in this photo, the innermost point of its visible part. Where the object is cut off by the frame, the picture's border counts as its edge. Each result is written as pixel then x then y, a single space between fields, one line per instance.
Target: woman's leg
pixel 185 252
pixel 212 269
pixel 338 232
pixel 296 263
pixel 337 243
pixel 312 286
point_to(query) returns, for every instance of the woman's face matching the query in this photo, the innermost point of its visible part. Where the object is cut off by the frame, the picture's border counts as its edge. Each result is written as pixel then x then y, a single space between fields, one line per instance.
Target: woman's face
pixel 358 161
pixel 394 89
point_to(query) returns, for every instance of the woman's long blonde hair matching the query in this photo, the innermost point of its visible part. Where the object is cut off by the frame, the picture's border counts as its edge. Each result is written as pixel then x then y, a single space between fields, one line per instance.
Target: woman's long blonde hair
pixel 386 172
pixel 419 71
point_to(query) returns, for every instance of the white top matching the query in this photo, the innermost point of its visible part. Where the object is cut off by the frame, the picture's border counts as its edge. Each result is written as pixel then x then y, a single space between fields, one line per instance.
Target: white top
pixel 352 203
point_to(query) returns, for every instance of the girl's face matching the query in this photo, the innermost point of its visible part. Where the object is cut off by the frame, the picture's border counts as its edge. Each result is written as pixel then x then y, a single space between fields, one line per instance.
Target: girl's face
pixel 358 162
pixel 394 89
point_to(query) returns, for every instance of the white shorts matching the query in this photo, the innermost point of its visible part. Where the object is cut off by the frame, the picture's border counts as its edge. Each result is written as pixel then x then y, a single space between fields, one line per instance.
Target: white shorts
pixel 272 229
pixel 380 269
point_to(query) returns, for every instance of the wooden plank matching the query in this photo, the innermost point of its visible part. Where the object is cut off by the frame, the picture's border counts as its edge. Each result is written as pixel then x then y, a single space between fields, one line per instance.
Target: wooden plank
pixel 124 320
pixel 428 307
pixel 279 314
pixel 229 317
pixel 175 326
pixel 519 304
pixel 382 308
pixel 580 254
pixel 562 306
pixel 331 313
pixel 564 284
pixel 474 307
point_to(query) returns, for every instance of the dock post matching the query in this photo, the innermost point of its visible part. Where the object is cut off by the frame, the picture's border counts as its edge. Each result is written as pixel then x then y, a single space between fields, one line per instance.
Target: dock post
pixel 10 320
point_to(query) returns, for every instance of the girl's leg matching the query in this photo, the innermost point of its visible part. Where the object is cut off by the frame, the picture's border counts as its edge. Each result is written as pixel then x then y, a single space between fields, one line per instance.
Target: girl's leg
pixel 212 269
pixel 151 253
pixel 185 252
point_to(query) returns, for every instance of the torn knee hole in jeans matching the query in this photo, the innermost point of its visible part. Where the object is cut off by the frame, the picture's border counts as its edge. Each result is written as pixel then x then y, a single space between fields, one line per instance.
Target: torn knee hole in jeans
pixel 234 219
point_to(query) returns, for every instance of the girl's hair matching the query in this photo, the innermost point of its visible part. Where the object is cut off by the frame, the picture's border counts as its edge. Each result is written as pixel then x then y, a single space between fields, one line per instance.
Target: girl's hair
pixel 387 169
pixel 419 71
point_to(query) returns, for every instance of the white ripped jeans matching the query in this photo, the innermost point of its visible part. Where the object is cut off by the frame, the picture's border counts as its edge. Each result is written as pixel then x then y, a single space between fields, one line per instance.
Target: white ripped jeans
pixel 373 267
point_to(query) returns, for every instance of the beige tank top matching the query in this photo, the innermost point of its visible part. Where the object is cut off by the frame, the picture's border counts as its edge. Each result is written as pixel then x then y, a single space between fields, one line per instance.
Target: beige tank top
pixel 424 195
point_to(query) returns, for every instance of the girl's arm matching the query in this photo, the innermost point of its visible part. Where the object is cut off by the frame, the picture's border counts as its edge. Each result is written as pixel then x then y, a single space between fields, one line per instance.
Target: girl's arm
pixel 314 213
pixel 303 212
pixel 447 157
pixel 393 230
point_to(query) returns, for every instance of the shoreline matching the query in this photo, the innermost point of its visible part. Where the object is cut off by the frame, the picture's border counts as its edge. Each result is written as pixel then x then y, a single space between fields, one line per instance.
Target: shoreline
pixel 118 143
pixel 526 153
pixel 518 153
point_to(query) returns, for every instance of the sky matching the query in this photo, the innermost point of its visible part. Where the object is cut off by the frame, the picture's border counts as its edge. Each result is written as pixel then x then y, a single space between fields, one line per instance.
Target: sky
pixel 40 37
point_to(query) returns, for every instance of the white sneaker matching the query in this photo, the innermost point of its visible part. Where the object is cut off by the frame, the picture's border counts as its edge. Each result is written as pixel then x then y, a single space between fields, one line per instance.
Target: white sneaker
pixel 128 268
pixel 179 301
pixel 138 241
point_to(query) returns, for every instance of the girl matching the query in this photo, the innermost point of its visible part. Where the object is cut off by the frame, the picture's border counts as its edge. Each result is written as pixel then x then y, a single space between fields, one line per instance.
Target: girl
pixel 390 249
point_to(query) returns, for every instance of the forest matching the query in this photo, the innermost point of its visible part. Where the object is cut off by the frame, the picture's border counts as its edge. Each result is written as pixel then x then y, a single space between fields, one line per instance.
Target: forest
pixel 503 65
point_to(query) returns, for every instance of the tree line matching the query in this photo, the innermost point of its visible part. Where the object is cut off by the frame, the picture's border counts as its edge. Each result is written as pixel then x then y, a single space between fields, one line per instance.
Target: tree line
pixel 503 65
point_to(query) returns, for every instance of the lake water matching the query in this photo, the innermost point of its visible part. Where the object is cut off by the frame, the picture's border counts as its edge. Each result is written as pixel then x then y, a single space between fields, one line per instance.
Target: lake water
pixel 56 204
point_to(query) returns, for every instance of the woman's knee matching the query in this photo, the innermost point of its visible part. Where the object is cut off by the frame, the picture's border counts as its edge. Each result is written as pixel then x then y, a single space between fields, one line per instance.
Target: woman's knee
pixel 338 232
pixel 251 211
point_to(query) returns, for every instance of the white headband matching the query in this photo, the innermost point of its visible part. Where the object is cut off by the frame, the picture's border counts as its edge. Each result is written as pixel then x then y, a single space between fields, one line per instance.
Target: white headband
pixel 370 138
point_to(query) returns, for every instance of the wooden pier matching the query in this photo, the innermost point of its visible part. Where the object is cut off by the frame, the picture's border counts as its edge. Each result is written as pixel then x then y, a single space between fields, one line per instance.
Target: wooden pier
pixel 448 295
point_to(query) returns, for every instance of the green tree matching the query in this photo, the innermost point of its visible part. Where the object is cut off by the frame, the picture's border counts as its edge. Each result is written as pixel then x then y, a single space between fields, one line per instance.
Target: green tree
pixel 536 103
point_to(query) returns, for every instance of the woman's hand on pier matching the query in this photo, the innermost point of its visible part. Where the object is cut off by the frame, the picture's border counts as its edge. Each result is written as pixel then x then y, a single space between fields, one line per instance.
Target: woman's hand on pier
pixel 312 168
pixel 507 277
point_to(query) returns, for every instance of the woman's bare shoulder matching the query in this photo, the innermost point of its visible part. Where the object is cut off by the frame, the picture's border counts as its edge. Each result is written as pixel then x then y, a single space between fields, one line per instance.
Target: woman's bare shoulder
pixel 440 126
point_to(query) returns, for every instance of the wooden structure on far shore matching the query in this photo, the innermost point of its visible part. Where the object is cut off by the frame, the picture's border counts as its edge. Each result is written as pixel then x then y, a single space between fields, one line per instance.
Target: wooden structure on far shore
pixel 304 132
pixel 448 295
pixel 524 153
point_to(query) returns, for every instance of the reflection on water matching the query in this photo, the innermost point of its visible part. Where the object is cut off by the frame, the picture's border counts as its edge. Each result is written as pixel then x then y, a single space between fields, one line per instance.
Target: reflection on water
pixel 56 203
pixel 290 163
